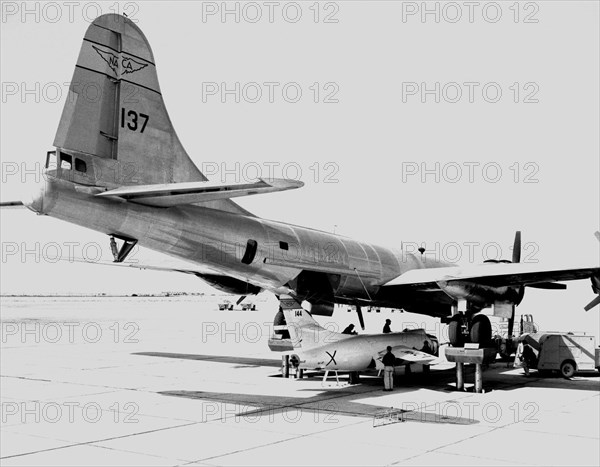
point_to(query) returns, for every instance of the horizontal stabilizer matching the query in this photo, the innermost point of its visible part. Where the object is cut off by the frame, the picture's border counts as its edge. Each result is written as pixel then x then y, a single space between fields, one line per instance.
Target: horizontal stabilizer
pixel 175 194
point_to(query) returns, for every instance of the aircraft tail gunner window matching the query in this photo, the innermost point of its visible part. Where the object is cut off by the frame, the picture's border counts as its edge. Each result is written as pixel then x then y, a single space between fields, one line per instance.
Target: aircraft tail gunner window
pixel 80 165
pixel 51 160
pixel 250 253
pixel 66 162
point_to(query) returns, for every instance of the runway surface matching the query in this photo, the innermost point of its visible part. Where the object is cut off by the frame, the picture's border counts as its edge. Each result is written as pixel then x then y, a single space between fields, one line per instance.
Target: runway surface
pixel 173 381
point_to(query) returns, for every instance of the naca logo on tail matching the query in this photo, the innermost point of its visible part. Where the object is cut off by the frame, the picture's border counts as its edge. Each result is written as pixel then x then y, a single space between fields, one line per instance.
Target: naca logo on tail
pixel 128 64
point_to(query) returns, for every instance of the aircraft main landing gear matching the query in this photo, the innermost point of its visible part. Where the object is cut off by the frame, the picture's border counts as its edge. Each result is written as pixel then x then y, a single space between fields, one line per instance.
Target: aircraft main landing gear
pixel 475 329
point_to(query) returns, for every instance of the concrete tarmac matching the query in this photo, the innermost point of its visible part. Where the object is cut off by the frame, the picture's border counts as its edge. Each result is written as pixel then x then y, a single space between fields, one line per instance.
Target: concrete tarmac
pixel 144 381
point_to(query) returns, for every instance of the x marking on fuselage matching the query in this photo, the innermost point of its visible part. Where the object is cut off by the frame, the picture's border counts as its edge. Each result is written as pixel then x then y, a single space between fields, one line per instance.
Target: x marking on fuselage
pixel 332 358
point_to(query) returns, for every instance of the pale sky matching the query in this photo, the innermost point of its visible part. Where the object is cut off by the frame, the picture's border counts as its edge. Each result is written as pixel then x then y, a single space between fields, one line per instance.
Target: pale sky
pixel 362 157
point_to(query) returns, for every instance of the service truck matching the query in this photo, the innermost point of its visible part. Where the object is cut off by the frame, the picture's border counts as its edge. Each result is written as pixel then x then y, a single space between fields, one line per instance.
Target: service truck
pixel 565 352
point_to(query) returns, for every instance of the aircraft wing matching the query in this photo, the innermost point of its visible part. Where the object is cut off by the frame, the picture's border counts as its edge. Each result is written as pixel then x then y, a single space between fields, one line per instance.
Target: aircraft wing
pixel 491 274
pixel 408 355
pixel 183 267
pixel 175 194
pixel 213 277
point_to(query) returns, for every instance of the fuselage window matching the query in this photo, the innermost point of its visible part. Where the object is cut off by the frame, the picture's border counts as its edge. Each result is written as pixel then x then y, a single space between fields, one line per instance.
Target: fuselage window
pixel 250 253
pixel 66 162
pixel 80 165
pixel 283 245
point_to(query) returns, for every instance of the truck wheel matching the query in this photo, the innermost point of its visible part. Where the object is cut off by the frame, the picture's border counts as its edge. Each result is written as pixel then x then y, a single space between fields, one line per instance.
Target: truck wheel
pixel 567 369
pixel 455 335
pixel 481 330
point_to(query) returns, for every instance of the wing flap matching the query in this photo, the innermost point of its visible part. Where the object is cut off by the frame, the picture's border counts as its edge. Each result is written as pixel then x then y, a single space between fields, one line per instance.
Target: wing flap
pixel 175 194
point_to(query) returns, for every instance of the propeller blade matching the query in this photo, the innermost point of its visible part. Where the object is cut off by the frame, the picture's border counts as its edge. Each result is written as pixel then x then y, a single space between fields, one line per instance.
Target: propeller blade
pixel 548 286
pixel 516 253
pixel 360 317
pixel 240 300
pixel 592 304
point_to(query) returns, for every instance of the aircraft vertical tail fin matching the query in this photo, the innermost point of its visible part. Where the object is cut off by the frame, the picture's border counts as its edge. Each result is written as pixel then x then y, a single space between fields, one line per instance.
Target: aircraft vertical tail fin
pixel 115 113
pixel 305 332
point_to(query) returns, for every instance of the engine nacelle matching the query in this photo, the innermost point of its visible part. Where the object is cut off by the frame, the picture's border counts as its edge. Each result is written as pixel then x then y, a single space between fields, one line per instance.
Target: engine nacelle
pixel 482 295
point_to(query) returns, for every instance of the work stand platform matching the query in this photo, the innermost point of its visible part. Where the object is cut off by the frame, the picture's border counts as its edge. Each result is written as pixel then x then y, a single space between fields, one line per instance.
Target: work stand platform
pixel 462 355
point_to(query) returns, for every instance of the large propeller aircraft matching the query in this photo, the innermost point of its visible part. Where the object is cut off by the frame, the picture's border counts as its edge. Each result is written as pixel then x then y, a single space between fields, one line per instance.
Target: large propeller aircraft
pixel 119 168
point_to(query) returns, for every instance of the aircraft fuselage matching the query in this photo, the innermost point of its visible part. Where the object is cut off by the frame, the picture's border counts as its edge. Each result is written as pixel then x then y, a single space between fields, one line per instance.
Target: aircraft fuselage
pixel 219 241
pixel 355 353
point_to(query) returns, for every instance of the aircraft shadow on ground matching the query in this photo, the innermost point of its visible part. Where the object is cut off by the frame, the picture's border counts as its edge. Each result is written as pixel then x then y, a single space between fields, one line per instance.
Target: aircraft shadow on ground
pixel 324 406
pixel 497 377
pixel 345 399
pixel 242 361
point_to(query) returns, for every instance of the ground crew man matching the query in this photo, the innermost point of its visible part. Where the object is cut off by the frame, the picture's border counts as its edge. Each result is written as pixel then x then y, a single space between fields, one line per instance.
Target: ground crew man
pixel 528 358
pixel 386 328
pixel 388 360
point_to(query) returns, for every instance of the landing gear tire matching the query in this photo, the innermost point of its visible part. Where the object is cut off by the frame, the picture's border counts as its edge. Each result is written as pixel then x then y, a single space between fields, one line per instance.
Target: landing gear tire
pixel 481 330
pixel 567 369
pixel 455 335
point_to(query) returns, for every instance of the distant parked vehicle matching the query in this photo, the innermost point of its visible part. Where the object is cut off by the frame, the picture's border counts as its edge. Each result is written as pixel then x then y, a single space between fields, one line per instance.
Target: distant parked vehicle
pixel 248 306
pixel 225 305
